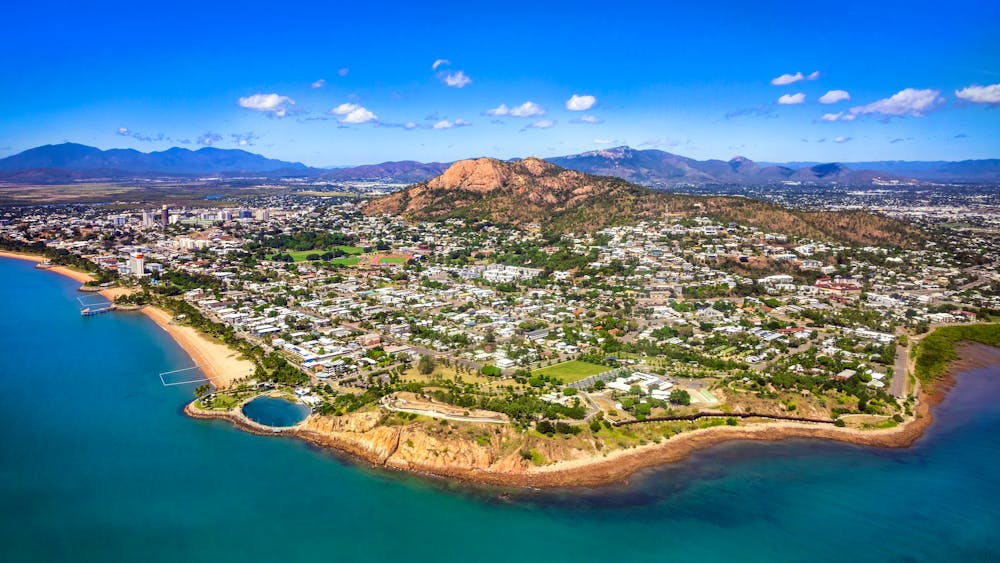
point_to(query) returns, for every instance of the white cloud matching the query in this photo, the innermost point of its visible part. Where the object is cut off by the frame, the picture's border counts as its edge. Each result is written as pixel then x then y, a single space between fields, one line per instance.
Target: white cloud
pixel 834 96
pixel 980 94
pixel 343 72
pixel 457 79
pixel 792 99
pixel 580 103
pixel 440 62
pixel 318 84
pixel 786 79
pixel 602 141
pixel 527 109
pixel 908 102
pixel 208 139
pixel 841 139
pixel 245 139
pixel 124 131
pixel 591 119
pixel 273 104
pixel 542 124
pixel 499 111
pixel 353 113
pixel 409 125
pixel 445 124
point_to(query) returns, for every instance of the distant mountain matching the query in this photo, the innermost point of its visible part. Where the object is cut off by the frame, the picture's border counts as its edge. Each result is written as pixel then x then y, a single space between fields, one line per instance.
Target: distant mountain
pixel 654 167
pixel 71 160
pixel 984 170
pixel 406 171
pixel 534 191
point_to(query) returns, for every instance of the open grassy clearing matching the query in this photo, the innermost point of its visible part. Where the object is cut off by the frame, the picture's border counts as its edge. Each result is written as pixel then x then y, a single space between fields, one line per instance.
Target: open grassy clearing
pixel 302 255
pixel 571 371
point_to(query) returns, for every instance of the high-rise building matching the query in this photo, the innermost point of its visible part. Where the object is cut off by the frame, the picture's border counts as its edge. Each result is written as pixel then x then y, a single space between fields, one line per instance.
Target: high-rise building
pixel 148 219
pixel 165 216
pixel 137 264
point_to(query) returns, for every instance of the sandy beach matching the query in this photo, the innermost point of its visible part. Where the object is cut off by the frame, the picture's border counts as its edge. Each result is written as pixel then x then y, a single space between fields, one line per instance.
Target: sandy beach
pixel 217 361
pixel 82 277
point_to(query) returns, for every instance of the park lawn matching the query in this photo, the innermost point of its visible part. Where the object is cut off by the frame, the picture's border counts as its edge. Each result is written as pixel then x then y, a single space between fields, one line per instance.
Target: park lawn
pixel 572 371
pixel 392 260
pixel 300 255
pixel 346 261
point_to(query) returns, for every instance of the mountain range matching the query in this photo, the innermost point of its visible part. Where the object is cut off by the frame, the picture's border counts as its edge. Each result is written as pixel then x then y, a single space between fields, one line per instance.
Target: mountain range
pixel 72 162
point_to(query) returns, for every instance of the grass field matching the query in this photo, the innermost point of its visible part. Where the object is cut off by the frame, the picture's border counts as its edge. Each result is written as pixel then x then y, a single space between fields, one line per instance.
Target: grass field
pixel 392 260
pixel 300 255
pixel 573 370
pixel 346 261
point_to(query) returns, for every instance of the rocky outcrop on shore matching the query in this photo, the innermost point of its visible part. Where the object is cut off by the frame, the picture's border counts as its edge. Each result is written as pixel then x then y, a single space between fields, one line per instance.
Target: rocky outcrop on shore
pixel 493 455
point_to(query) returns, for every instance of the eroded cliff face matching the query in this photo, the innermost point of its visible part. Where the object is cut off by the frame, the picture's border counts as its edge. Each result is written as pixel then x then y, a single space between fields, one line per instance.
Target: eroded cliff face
pixel 463 450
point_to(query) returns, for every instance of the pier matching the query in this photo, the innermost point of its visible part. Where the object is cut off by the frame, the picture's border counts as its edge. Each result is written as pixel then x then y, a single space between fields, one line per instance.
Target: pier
pixel 95 308
pixel 89 311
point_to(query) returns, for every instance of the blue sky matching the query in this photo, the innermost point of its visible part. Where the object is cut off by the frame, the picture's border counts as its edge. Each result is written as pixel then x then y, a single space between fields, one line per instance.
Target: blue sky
pixel 341 84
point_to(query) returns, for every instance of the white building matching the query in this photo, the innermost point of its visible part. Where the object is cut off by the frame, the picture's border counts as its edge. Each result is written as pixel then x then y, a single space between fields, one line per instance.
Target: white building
pixel 137 264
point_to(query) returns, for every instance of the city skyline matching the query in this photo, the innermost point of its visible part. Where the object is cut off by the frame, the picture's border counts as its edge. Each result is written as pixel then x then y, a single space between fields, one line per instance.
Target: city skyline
pixel 330 86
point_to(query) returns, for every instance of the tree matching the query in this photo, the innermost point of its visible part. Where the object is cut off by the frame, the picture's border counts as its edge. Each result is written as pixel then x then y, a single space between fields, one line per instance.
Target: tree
pixel 680 397
pixel 201 390
pixel 426 365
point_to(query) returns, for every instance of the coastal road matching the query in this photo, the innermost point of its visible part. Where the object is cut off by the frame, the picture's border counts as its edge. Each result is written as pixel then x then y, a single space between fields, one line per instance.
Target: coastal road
pixel 392 406
pixel 899 370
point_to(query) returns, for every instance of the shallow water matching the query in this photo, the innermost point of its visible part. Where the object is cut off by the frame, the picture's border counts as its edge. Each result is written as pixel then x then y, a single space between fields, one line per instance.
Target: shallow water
pixel 271 411
pixel 100 464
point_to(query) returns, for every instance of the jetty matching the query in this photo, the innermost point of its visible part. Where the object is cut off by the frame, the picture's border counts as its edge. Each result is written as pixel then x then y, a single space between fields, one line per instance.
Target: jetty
pixel 91 311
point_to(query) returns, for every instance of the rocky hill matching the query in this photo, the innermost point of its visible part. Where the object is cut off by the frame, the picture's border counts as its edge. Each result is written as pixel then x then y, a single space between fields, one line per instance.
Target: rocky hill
pixel 533 191
pixel 520 193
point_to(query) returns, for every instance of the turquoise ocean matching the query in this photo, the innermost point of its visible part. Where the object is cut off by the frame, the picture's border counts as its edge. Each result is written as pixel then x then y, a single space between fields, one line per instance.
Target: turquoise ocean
pixel 98 463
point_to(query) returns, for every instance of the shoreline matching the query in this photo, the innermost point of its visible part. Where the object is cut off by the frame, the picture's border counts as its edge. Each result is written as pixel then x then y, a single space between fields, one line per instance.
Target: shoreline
pixel 76 275
pixel 380 449
pixel 217 362
pixel 221 365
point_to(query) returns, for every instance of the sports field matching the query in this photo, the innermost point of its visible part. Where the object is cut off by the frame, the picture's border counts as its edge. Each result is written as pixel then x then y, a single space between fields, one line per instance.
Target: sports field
pixel 301 255
pixel 572 371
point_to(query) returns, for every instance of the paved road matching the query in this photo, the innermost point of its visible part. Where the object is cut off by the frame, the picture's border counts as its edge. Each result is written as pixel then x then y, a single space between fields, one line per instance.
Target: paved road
pixel 899 371
pixel 391 405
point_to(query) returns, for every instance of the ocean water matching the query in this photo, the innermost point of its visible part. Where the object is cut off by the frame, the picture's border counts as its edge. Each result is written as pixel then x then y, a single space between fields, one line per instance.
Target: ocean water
pixel 272 411
pixel 98 463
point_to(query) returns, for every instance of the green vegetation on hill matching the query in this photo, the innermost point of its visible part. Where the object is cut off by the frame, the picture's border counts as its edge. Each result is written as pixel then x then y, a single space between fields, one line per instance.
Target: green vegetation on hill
pixel 564 201
pixel 853 227
pixel 937 349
